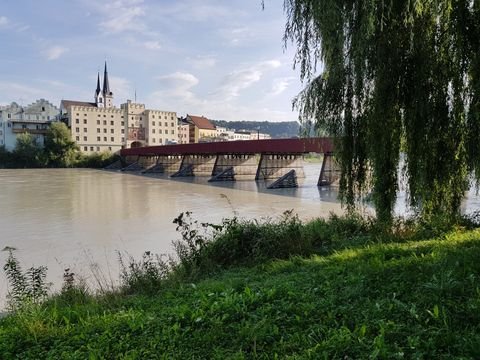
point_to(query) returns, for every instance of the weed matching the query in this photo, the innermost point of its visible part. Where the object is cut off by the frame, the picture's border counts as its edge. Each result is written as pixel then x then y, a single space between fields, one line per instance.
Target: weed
pixel 26 287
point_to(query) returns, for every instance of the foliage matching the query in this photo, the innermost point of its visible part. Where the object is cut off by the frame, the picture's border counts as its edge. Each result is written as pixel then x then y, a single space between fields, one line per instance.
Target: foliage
pixel 144 276
pixel 358 299
pixel 96 160
pixel 27 152
pixel 393 70
pixel 59 147
pixel 26 288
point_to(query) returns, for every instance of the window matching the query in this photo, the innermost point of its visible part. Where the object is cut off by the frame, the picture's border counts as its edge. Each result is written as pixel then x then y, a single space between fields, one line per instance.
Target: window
pixel 77 138
pixel 166 131
pixel 104 138
pixel 160 140
pixel 153 131
pixel 110 148
pixel 112 139
pixel 84 138
pixel 166 124
pixel 111 122
pixel 91 148
pixel 77 121
pixel 153 140
pixel 84 121
pixel 121 116
pixel 111 117
pixel 84 114
pixel 153 123
pixel 153 117
pixel 98 148
pixel 43 108
pixel 104 115
pixel 98 138
pixel 172 124
pixel 165 117
pixel 77 129
pixel 112 131
pixel 98 122
pixel 104 131
pixel 160 131
pixel 172 117
pixel 78 114
pixel 98 130
pixel 123 131
pixel 123 139
pixel 104 122
pixel 84 129
pixel 85 148
pixel 98 115
pixel 123 123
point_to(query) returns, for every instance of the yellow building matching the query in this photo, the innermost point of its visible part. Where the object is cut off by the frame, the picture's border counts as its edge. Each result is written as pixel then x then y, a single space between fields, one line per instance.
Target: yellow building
pixel 100 126
pixel 201 129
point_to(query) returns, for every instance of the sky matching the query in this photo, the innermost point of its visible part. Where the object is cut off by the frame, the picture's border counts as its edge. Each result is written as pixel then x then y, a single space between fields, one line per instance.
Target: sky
pixel 216 58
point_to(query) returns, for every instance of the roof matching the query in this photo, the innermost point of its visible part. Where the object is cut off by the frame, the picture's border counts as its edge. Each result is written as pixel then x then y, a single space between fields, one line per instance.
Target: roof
pixel 68 103
pixel 201 122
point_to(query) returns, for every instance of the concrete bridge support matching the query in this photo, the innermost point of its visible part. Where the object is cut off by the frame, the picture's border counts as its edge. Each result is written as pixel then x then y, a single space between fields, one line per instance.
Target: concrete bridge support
pixel 202 165
pixel 274 166
pixel 244 165
pixel 329 172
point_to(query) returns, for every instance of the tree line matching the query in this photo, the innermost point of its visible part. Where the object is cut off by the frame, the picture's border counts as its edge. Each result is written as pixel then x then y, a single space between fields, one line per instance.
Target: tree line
pixel 58 151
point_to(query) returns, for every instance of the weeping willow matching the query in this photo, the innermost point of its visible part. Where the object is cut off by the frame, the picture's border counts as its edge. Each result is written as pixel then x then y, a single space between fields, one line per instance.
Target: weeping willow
pixel 392 76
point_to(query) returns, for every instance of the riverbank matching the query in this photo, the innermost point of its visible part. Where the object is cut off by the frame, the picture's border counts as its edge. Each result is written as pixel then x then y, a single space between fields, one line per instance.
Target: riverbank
pixel 336 289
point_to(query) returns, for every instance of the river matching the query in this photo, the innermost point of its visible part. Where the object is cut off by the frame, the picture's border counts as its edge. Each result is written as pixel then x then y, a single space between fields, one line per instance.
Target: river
pixel 80 218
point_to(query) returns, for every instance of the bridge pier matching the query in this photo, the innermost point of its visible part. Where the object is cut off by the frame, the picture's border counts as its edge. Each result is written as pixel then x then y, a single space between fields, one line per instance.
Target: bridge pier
pixel 274 166
pixel 329 172
pixel 199 165
pixel 244 166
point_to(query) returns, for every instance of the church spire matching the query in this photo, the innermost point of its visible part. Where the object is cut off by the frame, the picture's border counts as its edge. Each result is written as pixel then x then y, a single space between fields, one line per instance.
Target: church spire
pixel 106 85
pixel 98 84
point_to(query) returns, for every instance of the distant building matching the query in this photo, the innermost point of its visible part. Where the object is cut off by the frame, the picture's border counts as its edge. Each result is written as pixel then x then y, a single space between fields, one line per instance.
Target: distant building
pixel 201 129
pixel 34 119
pixel 100 126
pixel 183 131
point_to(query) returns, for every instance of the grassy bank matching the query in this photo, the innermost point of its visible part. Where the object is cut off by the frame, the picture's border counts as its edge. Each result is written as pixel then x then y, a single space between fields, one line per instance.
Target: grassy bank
pixel 337 289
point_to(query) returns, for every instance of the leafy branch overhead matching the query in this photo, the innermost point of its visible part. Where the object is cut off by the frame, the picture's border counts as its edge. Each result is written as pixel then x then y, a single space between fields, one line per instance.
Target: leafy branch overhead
pixel 384 76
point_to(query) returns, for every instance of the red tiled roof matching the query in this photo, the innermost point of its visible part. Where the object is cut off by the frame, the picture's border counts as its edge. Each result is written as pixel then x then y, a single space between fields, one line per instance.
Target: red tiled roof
pixel 68 103
pixel 201 122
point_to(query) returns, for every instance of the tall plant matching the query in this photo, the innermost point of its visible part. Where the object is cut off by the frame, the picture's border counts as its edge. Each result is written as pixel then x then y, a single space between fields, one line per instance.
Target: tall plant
pixel 378 71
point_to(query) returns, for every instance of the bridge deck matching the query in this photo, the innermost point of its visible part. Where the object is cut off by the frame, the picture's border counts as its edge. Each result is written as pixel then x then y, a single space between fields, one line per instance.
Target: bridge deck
pixel 271 146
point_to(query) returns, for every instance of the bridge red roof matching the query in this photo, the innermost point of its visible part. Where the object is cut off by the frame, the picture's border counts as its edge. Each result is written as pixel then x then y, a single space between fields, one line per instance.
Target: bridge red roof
pixel 270 146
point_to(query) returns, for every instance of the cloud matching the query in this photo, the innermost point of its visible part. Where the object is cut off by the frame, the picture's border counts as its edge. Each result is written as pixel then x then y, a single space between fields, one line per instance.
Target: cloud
pixel 203 61
pixel 179 81
pixel 122 15
pixel 239 80
pixel 152 45
pixel 280 85
pixel 4 21
pixel 54 52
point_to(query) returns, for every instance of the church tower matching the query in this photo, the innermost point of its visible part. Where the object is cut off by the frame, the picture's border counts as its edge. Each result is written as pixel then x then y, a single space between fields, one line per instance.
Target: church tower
pixel 103 97
pixel 107 94
pixel 98 93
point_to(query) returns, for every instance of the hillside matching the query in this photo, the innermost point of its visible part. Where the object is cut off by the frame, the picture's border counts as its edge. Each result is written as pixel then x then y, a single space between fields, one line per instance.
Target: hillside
pixel 276 130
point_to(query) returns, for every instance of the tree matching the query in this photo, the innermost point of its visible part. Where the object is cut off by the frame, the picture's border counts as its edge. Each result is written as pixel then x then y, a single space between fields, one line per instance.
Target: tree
pixel 59 147
pixel 393 69
pixel 27 151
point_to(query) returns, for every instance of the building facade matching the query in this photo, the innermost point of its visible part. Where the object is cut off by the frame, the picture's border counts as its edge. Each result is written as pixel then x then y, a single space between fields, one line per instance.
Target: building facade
pixel 34 119
pixel 100 126
pixel 200 129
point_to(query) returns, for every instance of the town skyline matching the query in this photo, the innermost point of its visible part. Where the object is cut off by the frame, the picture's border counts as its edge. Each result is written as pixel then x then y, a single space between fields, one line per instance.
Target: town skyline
pixel 223 61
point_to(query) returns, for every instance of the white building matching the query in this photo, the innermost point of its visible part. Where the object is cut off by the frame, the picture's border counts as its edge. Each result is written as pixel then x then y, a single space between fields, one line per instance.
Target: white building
pixel 34 119
pixel 100 126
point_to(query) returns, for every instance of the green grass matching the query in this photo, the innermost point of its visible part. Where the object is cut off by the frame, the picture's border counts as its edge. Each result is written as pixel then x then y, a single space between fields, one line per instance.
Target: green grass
pixel 351 294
